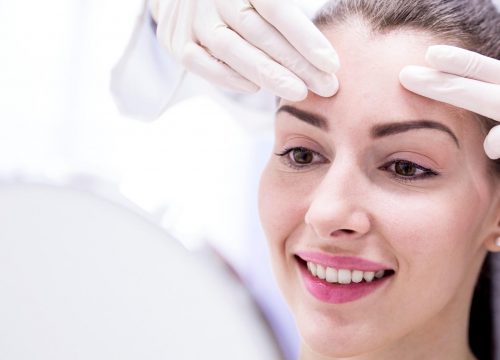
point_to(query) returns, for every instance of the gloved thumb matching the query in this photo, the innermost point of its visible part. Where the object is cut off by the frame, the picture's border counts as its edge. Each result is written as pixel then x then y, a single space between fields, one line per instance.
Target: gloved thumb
pixel 492 143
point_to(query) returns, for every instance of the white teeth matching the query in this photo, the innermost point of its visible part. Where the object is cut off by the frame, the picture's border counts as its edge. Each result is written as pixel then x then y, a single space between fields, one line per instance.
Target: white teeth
pixel 342 276
pixel 357 276
pixel 312 268
pixel 321 272
pixel 331 275
pixel 368 276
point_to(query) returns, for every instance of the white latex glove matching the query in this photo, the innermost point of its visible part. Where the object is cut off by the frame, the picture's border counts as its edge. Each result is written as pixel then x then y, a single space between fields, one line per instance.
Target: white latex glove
pixel 461 78
pixel 245 45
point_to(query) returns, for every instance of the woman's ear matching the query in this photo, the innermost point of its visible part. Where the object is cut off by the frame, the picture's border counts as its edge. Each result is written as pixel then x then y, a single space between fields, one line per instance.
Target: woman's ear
pixel 492 241
pixel 493 244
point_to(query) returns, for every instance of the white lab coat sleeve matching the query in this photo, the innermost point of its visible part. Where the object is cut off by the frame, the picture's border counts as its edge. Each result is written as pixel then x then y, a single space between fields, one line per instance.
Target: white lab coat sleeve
pixel 145 79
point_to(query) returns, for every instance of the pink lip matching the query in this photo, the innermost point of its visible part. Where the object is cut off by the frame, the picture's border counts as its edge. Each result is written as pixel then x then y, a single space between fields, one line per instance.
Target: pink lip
pixel 339 293
pixel 342 262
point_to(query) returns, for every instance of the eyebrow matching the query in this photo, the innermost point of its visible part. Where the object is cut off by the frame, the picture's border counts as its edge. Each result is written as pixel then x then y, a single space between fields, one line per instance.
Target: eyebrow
pixel 378 131
pixel 308 117
pixel 383 130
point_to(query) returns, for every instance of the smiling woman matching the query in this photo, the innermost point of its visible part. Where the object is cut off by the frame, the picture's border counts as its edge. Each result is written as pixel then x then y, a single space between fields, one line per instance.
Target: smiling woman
pixel 379 205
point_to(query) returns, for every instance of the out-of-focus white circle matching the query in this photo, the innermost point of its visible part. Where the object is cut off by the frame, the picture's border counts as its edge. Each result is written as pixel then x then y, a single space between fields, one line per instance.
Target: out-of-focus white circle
pixel 84 278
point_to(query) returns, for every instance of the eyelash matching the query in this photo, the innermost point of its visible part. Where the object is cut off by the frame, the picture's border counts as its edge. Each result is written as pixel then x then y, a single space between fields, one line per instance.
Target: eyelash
pixel 285 155
pixel 426 172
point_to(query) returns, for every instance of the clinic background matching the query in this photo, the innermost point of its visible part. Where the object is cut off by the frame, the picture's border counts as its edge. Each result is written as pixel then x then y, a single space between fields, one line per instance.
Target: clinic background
pixel 194 170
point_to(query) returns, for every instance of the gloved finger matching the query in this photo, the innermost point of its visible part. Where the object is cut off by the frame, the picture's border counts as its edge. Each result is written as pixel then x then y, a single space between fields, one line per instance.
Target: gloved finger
pixel 197 60
pixel 294 25
pixel 464 63
pixel 473 95
pixel 174 26
pixel 227 46
pixel 492 143
pixel 243 19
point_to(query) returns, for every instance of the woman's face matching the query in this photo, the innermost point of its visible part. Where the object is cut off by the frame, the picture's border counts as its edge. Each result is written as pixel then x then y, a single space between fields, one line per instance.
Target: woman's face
pixel 376 179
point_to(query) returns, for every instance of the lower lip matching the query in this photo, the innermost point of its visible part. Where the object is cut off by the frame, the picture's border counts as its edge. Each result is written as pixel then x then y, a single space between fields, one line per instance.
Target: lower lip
pixel 339 293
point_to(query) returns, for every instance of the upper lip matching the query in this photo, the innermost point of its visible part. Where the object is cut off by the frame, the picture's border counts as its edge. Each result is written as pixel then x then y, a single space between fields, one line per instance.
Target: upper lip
pixel 341 262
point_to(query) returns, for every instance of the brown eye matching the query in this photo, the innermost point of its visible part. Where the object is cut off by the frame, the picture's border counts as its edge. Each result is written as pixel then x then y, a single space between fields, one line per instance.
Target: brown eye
pixel 302 156
pixel 407 171
pixel 405 168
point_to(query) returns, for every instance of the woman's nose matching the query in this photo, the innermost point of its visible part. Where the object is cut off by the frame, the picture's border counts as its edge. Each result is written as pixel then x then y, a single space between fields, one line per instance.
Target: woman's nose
pixel 338 207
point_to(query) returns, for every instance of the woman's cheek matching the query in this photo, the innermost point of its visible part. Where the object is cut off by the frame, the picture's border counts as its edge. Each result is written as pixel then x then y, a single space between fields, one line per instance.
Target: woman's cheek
pixel 428 226
pixel 283 201
pixel 409 221
pixel 269 204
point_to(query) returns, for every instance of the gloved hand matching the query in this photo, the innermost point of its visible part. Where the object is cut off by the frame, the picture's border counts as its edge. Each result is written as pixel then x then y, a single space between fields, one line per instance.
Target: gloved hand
pixel 461 78
pixel 245 45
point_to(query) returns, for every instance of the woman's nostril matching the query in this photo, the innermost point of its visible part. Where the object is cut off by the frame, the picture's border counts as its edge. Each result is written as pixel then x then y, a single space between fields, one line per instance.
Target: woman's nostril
pixel 341 232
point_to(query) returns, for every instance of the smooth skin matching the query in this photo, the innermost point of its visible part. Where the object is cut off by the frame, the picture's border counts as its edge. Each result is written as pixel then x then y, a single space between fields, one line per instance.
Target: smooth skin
pixel 421 201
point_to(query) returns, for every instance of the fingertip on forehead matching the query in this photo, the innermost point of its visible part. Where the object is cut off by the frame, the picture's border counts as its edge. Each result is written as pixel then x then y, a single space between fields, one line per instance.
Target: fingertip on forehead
pixel 311 97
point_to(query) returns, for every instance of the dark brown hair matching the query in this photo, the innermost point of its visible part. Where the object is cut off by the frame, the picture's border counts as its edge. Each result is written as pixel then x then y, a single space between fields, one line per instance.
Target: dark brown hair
pixel 470 24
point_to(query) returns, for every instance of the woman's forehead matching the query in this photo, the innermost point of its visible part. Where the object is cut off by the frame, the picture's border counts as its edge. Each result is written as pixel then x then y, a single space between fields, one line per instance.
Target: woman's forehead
pixel 370 90
pixel 371 63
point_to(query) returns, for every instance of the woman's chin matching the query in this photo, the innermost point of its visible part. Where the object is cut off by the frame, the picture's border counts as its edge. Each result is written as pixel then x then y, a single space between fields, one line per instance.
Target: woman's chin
pixel 325 337
pixel 326 347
